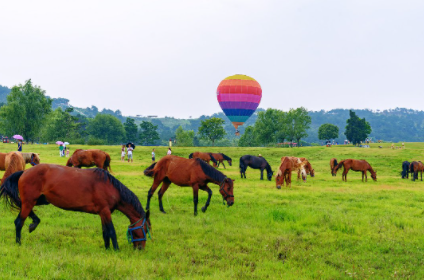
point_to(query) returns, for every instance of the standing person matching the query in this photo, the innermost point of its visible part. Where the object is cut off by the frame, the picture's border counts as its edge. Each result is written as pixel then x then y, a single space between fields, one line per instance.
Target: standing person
pixel 61 150
pixel 169 152
pixel 67 152
pixel 170 142
pixel 153 156
pixel 19 145
pixel 130 153
pixel 123 153
pixel 403 145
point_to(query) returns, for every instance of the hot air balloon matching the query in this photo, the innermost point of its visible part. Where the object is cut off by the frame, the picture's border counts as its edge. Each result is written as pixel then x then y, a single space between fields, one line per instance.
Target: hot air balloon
pixel 239 96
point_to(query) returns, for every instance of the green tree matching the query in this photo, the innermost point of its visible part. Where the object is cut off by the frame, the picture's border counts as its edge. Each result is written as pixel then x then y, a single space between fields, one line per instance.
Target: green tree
pixel 148 133
pixel 357 129
pixel 108 128
pixel 212 130
pixel 61 125
pixel 184 137
pixel 328 131
pixel 248 139
pixel 130 129
pixel 270 127
pixel 26 111
pixel 301 123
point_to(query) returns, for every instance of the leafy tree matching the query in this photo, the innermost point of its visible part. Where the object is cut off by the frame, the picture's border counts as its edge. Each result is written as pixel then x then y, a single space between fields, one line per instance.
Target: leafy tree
pixel 212 130
pixel 107 128
pixel 130 129
pixel 270 127
pixel 61 125
pixel 26 111
pixel 357 129
pixel 328 131
pixel 301 123
pixel 148 133
pixel 248 139
pixel 184 138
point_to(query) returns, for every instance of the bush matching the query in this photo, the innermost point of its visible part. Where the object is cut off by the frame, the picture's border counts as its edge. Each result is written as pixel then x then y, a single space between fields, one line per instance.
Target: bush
pixel 95 141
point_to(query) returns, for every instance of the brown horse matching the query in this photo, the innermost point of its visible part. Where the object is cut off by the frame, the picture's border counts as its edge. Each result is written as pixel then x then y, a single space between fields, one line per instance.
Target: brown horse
pixel 308 168
pixel 220 157
pixel 90 158
pixel 92 191
pixel 32 158
pixel 206 157
pixel 356 165
pixel 188 172
pixel 289 164
pixel 415 167
pixel 333 162
pixel 13 162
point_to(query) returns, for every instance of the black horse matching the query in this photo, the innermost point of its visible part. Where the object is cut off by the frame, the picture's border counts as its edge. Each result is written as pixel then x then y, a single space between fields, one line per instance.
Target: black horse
pixel 405 169
pixel 255 163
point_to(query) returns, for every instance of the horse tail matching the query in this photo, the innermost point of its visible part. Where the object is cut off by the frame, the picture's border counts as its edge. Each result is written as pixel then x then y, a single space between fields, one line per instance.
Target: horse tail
pixel 69 162
pixel 190 155
pixel 106 164
pixel 9 190
pixel 16 163
pixel 213 159
pixel 150 170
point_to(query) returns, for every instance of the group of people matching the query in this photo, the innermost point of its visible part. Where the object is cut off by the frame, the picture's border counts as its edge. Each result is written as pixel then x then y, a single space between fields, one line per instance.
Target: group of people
pixel 63 150
pixel 129 153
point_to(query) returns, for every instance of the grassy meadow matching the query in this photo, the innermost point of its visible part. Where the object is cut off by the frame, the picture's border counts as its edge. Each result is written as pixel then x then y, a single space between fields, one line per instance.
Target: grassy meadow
pixel 321 229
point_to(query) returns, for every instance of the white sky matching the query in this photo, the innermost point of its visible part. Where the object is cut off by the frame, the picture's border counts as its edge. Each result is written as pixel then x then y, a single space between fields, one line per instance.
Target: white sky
pixel 167 57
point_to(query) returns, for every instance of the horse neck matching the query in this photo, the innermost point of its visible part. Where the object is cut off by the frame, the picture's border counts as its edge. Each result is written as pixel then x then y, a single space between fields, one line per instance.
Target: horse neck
pixel 267 167
pixel 129 211
pixel 371 170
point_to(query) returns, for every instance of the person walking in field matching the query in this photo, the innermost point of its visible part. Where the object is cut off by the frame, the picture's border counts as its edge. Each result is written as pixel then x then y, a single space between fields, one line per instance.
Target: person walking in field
pixel 130 153
pixel 19 145
pixel 153 156
pixel 123 153
pixel 169 152
pixel 61 150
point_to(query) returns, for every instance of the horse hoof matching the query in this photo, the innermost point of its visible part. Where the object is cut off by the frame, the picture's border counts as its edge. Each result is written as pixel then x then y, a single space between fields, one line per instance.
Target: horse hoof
pixel 203 209
pixel 195 213
pixel 163 211
pixel 32 227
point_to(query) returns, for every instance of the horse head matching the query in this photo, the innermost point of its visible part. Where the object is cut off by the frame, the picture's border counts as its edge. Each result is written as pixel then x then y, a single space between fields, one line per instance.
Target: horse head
pixel 230 162
pixel 269 174
pixel 303 171
pixel 279 179
pixel 139 231
pixel 35 158
pixel 374 176
pixel 226 190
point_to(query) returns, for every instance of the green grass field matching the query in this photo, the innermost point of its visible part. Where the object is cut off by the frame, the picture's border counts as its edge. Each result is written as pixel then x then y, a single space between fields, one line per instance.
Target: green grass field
pixel 321 229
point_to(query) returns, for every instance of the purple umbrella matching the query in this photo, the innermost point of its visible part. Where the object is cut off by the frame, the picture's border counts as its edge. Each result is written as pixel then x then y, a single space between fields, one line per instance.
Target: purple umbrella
pixel 59 142
pixel 18 137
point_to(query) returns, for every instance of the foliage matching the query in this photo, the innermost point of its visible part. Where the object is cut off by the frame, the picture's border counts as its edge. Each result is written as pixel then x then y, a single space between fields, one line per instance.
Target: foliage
pixel 248 139
pixel 130 129
pixel 61 125
pixel 25 112
pixel 357 129
pixel 270 127
pixel 301 123
pixel 4 91
pixel 212 130
pixel 148 133
pixel 184 138
pixel 328 131
pixel 95 141
pixel 107 128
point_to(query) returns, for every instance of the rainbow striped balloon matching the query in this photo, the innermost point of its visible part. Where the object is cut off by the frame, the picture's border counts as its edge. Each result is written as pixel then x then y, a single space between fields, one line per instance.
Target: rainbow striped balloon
pixel 239 96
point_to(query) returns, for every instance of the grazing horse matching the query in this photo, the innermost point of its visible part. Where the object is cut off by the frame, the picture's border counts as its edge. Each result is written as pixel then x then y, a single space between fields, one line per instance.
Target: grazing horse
pixel 13 162
pixel 188 172
pixel 289 164
pixel 90 158
pixel 416 166
pixel 405 169
pixel 356 165
pixel 308 168
pixel 255 163
pixel 333 163
pixel 206 157
pixel 92 191
pixel 32 158
pixel 220 157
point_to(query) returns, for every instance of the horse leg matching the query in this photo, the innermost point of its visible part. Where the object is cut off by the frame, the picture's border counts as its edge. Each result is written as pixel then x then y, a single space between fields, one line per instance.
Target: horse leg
pixel 366 177
pixel 108 229
pixel 162 190
pixel 262 174
pixel 152 190
pixel 195 197
pixel 362 176
pixel 35 221
pixel 20 220
pixel 209 191
pixel 218 164
pixel 223 165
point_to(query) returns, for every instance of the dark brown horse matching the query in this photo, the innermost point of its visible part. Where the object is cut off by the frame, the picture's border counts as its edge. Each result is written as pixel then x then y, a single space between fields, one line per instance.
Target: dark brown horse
pixel 415 167
pixel 356 165
pixel 287 166
pixel 220 157
pixel 188 172
pixel 89 158
pixel 92 191
pixel 206 157
pixel 333 162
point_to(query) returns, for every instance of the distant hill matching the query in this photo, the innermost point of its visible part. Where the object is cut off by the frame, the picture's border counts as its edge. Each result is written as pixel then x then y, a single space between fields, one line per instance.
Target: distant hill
pixel 392 125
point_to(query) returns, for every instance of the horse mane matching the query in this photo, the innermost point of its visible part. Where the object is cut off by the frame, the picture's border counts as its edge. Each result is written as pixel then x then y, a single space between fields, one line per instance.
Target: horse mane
pixel 212 158
pixel 337 167
pixel 190 155
pixel 225 157
pixel 335 162
pixel 126 194
pixel 211 172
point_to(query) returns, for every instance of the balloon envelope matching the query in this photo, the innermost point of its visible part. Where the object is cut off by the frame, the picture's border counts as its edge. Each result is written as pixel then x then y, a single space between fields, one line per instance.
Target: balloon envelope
pixel 239 96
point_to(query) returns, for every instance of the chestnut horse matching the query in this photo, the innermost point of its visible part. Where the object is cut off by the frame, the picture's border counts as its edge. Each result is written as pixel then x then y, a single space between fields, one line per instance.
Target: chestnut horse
pixel 188 172
pixel 333 162
pixel 92 191
pixel 90 158
pixel 289 164
pixel 206 157
pixel 308 168
pixel 220 157
pixel 13 162
pixel 415 167
pixel 356 165
pixel 32 158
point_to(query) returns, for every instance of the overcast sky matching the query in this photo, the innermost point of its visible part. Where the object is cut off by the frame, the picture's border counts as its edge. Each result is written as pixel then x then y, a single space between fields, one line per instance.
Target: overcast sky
pixel 167 58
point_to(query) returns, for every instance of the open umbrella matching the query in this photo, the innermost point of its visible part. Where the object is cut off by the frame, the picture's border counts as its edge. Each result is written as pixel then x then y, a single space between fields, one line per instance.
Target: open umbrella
pixel 66 143
pixel 130 144
pixel 18 137
pixel 59 143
